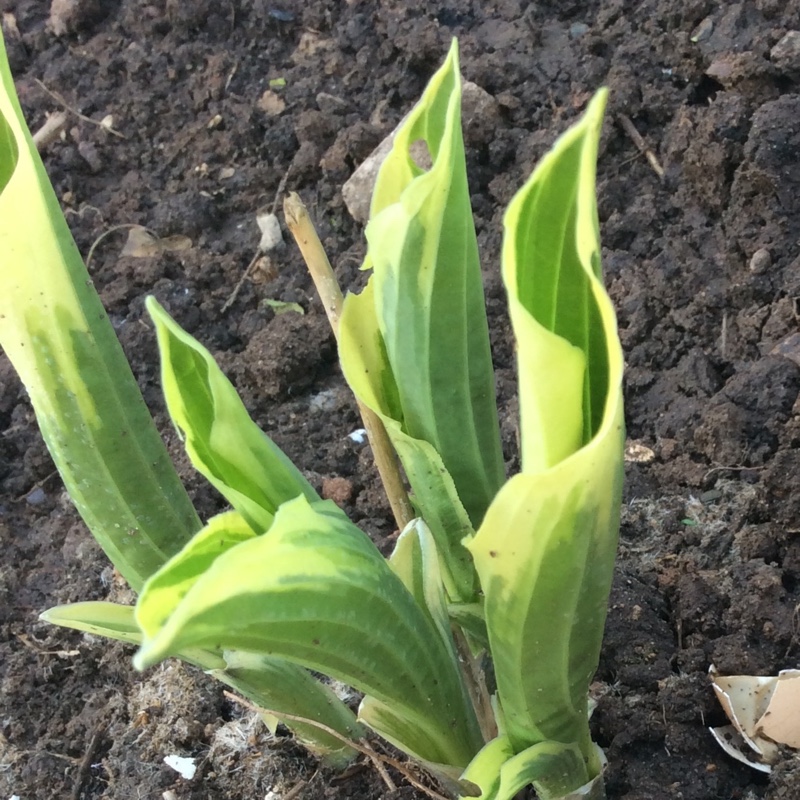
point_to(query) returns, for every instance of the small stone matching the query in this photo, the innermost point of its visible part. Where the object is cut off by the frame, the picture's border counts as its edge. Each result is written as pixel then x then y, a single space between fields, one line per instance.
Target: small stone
pixel 331 104
pixel 786 53
pixel 761 261
pixel 36 497
pixel 90 154
pixel 702 31
pixel 271 103
pixel 478 107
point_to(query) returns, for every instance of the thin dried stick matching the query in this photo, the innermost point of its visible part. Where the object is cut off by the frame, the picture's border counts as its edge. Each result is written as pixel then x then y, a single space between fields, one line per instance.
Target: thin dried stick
pixel 305 235
pixel 86 762
pixel 59 99
pixel 375 757
pixel 246 274
pixel 236 289
pixel 641 145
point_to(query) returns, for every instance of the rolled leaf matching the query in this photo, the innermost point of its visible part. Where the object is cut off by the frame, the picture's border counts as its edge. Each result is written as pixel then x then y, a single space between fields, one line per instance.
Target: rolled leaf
pixel 424 319
pixel 501 774
pixel 316 591
pixel 369 374
pixel 164 591
pixel 223 443
pixel 55 332
pixel 545 551
pixel 416 562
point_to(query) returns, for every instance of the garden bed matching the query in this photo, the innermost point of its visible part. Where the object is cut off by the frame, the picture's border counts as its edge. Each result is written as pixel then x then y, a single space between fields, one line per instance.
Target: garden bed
pixel 217 104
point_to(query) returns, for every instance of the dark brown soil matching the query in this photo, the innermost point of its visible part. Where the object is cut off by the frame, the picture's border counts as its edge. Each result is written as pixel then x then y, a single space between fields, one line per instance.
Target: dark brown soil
pixel 703 266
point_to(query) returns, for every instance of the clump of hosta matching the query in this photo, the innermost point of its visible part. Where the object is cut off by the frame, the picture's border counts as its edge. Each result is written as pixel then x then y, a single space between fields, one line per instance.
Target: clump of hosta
pixel 473 645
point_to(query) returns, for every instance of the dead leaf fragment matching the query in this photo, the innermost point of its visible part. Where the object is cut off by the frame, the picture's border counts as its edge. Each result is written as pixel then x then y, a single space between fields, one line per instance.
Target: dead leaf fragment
pixel 10 28
pixel 638 453
pixel 271 103
pixel 781 720
pixel 143 244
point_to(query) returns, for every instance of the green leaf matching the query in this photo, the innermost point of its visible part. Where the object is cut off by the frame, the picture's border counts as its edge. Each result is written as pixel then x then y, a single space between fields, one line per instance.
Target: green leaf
pixel 281 686
pixel 555 770
pixel 267 681
pixel 416 562
pixel 545 551
pixel 369 375
pixel 428 298
pixel 164 591
pixel 99 618
pixel 223 443
pixel 484 769
pixel 563 321
pixel 115 621
pixel 57 335
pixel 471 619
pixel 316 591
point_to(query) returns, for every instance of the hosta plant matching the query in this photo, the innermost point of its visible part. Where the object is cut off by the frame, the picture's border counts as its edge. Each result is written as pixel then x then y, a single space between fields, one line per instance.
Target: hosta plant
pixel 474 644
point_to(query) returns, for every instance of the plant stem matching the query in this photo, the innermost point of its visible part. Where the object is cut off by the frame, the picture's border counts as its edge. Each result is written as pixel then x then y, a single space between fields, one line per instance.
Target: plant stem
pixel 302 229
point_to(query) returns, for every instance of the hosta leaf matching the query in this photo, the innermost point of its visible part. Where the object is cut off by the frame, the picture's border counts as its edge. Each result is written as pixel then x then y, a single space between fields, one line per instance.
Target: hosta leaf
pixel 416 562
pixel 115 621
pixel 554 768
pixel 369 374
pixel 484 769
pixel 545 551
pixel 163 591
pixel 563 321
pixel 223 443
pixel 55 332
pixel 428 297
pixel 281 686
pixel 100 618
pixel 316 591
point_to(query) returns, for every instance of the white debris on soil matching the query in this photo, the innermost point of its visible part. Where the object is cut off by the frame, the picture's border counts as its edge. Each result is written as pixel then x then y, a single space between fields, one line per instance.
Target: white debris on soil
pixel 359 436
pixel 185 767
pixel 270 228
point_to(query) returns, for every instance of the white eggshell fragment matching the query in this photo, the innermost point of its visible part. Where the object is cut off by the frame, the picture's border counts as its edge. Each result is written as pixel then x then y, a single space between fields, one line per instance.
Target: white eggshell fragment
pixel 764 712
pixel 781 720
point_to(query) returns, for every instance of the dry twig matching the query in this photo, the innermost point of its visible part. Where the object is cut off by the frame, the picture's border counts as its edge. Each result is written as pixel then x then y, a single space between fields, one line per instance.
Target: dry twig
pixel 641 145
pixel 50 130
pixel 86 762
pixel 59 99
pixel 305 235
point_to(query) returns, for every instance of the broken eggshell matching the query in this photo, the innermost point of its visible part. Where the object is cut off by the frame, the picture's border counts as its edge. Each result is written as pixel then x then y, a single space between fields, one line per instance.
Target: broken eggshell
pixel 764 712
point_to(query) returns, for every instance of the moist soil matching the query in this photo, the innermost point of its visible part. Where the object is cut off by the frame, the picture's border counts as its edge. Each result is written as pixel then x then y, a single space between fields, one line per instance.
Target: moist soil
pixel 220 107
